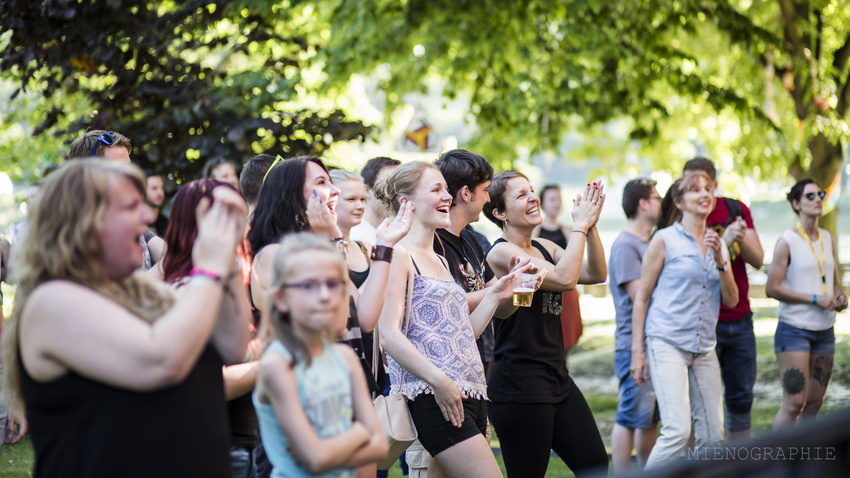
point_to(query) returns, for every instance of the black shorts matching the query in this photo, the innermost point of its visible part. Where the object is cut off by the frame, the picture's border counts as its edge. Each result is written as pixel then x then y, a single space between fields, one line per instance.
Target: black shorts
pixel 436 433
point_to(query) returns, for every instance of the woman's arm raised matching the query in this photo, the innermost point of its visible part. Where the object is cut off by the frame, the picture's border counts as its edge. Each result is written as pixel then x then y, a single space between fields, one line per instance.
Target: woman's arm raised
pixel 66 326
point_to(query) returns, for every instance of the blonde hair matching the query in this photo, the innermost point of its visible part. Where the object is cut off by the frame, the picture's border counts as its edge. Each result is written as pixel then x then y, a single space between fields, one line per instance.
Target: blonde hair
pixel 401 182
pixel 61 241
pixel 290 246
pixel 341 175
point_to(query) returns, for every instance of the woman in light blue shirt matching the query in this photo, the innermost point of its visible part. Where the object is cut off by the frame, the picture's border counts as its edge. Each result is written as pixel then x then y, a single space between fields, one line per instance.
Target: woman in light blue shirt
pixel 684 276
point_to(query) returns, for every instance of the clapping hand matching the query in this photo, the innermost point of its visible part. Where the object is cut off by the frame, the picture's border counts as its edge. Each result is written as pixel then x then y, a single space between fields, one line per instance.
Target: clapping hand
pixel 587 207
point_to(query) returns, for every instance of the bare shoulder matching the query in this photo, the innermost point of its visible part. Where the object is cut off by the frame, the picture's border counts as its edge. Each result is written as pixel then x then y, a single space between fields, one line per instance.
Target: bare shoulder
pixel 64 297
pixel 348 355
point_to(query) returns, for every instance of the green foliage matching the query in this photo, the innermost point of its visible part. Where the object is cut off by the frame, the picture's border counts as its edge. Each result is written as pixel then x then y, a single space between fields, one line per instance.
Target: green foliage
pixel 186 81
pixel 683 73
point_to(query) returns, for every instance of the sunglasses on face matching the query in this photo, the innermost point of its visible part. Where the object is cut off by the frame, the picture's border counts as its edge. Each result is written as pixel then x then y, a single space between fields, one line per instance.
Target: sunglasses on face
pixel 105 138
pixel 811 196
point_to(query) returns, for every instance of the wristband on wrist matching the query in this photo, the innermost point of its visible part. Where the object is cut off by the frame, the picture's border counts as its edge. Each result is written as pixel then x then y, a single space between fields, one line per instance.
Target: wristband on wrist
pixel 578 230
pixel 723 267
pixel 815 299
pixel 197 271
pixel 382 253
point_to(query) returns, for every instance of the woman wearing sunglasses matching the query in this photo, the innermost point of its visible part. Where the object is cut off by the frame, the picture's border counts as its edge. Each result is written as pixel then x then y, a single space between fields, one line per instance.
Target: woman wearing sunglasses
pixel 804 279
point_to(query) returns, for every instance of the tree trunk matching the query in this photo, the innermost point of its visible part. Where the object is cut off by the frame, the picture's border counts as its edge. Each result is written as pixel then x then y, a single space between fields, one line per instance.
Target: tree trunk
pixel 827 159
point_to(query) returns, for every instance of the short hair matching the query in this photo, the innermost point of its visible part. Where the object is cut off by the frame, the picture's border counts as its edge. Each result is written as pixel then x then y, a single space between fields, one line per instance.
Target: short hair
pixel 82 147
pixel 342 175
pixel 462 168
pixel 701 164
pixel 796 192
pixel 373 168
pixel 281 207
pixel 498 186
pixel 403 181
pixel 251 177
pixel 635 190
pixel 150 173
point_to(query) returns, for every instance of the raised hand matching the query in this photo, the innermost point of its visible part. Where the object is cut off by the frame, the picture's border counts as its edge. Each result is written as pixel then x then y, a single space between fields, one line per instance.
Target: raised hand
pixel 735 231
pixel 389 233
pixel 321 218
pixel 588 207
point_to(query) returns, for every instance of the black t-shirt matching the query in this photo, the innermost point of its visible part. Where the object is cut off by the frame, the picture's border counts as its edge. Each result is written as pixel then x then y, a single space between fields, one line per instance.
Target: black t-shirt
pixel 465 258
pixel 530 364
pixel 466 263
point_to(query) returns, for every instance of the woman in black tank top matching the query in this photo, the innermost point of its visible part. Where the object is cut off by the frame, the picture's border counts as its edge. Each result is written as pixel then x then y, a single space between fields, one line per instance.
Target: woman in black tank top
pixel 535 404
pixel 120 376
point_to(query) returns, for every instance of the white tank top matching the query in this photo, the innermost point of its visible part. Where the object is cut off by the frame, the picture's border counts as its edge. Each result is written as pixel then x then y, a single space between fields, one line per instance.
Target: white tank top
pixel 804 276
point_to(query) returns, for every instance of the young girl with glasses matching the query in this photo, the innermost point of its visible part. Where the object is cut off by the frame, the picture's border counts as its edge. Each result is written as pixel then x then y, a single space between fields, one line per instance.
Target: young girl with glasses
pixel 805 281
pixel 315 412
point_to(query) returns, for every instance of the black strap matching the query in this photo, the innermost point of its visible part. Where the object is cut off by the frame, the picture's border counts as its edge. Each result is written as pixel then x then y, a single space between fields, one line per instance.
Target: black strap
pixel 415 266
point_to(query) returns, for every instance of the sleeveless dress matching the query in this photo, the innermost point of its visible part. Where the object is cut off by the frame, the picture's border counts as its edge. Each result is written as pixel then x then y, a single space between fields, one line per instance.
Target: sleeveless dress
pixel 324 389
pixel 440 330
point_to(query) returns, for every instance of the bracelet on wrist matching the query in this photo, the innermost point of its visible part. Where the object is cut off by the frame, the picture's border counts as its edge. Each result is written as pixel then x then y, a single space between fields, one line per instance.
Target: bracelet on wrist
pixel 198 271
pixel 815 299
pixel 578 230
pixel 722 268
pixel 382 253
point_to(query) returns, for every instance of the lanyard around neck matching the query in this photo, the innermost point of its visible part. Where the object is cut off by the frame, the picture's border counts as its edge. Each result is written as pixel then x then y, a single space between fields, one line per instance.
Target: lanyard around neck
pixel 821 265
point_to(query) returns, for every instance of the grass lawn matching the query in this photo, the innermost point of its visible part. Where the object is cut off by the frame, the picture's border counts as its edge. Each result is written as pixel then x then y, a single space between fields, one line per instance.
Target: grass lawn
pixel 591 363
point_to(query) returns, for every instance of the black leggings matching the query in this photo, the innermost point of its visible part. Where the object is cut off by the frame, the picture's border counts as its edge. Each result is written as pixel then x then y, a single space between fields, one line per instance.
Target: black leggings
pixel 527 431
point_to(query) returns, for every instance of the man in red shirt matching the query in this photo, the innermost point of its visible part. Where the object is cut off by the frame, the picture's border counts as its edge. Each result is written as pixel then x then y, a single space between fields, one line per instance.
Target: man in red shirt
pixel 736 342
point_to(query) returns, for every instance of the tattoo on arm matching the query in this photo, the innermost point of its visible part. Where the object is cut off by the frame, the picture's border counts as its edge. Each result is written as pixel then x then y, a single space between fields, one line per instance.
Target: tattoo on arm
pixel 793 381
pixel 822 369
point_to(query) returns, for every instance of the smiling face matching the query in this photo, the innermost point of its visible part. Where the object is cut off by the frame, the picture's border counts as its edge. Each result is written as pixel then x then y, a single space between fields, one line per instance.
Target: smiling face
pixel 431 200
pixel 480 197
pixel 317 179
pixel 351 204
pixel 125 219
pixel 522 206
pixel 697 197
pixel 312 309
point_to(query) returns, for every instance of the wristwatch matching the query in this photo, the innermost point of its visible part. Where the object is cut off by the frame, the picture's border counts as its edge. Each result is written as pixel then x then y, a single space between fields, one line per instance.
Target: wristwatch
pixel 725 266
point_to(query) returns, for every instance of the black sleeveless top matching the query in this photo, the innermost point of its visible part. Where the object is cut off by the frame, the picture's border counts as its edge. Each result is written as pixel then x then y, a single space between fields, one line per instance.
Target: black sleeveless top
pixel 530 362
pixel 83 428
pixel 360 277
pixel 356 339
pixel 557 236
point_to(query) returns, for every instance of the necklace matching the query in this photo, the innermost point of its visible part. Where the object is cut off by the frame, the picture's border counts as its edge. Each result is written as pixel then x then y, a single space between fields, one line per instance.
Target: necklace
pixel 821 265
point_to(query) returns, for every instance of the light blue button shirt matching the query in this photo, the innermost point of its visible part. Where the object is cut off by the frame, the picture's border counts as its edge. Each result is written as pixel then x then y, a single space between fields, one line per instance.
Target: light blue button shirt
pixel 686 300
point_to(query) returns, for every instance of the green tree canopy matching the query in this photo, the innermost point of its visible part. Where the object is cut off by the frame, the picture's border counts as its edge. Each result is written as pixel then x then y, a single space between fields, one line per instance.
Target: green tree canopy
pixel 187 81
pixel 763 82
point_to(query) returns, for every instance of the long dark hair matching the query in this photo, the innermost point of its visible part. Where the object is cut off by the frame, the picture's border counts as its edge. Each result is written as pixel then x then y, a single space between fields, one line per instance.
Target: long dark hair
pixel 183 226
pixel 281 208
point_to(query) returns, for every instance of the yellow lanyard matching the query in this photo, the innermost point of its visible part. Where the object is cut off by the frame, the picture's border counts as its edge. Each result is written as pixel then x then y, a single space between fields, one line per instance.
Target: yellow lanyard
pixel 821 265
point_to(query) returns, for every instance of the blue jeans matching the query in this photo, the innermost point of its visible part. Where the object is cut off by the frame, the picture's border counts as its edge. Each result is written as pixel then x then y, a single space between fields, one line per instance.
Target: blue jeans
pixel 736 352
pixel 687 386
pixel 636 408
pixel 242 462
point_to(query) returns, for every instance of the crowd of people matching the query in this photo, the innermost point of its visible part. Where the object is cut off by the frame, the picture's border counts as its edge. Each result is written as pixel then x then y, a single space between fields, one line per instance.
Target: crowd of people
pixel 244 328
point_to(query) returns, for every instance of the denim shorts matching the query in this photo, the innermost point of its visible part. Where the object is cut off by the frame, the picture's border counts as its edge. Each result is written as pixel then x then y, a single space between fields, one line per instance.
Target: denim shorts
pixel 436 433
pixel 637 407
pixel 791 339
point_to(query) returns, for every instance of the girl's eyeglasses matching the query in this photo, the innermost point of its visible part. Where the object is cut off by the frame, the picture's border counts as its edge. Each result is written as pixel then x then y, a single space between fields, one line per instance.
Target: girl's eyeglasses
pixel 313 287
pixel 811 196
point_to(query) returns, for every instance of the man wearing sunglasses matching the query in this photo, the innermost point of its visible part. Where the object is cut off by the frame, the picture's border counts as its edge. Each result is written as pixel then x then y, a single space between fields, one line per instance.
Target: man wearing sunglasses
pixel 115 146
pixel 736 341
